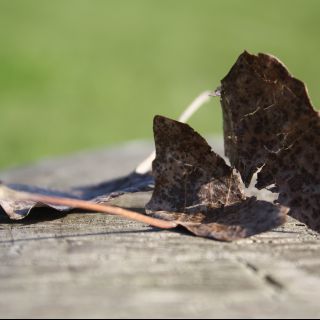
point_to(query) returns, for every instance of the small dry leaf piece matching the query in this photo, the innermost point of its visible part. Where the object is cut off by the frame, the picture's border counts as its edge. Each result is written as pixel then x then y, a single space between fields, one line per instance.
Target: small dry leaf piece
pixel 295 171
pixel 195 188
pixel 262 106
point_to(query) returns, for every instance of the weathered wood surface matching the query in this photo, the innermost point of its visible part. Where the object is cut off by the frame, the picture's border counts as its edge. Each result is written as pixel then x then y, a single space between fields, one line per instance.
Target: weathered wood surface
pixel 93 265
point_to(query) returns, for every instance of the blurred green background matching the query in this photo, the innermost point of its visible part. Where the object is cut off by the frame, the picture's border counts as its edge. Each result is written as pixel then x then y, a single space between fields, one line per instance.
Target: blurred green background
pixel 78 74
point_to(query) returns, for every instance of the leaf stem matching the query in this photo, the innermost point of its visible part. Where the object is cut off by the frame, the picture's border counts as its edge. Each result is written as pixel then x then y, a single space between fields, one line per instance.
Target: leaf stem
pixel 102 208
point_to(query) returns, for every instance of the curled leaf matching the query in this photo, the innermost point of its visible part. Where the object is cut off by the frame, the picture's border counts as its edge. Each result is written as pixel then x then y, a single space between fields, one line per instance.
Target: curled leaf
pixel 18 209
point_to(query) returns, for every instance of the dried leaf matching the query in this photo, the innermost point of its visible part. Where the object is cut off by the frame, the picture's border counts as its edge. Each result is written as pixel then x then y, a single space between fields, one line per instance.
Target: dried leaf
pixel 262 105
pixel 196 188
pixel 102 193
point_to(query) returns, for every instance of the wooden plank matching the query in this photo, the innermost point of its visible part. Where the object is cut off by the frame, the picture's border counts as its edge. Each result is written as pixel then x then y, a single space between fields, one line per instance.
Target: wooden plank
pixel 93 265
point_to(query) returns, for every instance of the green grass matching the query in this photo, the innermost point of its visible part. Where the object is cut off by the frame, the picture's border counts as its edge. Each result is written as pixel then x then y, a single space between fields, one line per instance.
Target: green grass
pixel 78 74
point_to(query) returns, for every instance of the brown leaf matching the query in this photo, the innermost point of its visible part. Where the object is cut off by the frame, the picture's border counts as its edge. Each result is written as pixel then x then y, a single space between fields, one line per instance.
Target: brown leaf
pixel 197 189
pixel 269 122
pixel 262 105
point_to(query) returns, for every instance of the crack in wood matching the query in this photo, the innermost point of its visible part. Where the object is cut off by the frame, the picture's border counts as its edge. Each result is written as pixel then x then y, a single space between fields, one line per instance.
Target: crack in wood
pixel 266 277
